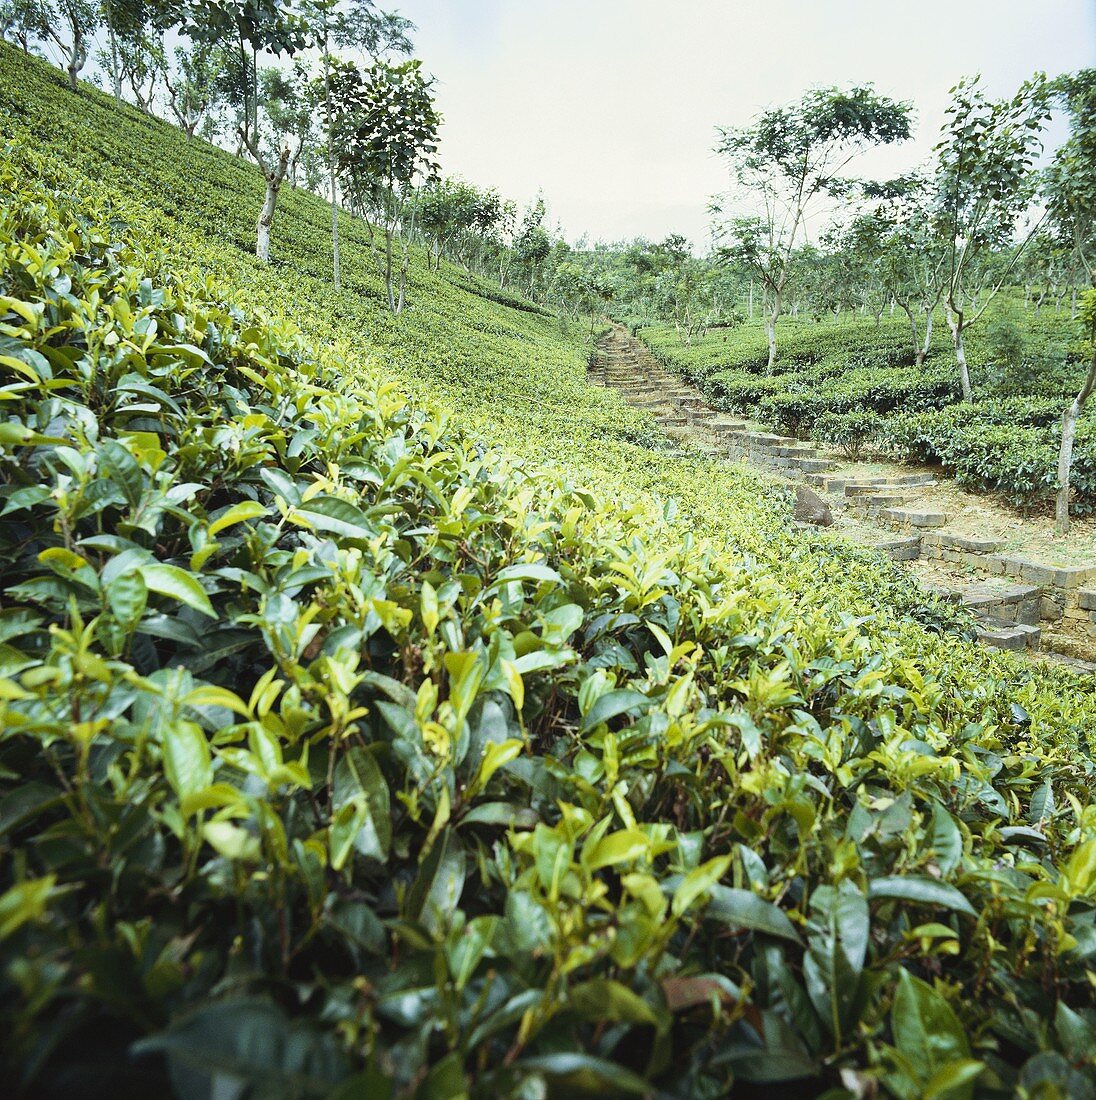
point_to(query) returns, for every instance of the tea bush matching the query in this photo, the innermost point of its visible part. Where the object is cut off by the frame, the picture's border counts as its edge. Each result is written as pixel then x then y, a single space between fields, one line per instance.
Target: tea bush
pixel 347 751
pixel 827 372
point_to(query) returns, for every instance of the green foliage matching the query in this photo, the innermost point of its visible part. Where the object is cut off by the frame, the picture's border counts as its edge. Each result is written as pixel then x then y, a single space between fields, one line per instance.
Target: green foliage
pixel 854 432
pixel 836 381
pixel 346 750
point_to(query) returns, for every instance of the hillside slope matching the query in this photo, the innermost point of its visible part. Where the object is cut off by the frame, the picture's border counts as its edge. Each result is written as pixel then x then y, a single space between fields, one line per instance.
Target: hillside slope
pixel 510 375
pixel 418 746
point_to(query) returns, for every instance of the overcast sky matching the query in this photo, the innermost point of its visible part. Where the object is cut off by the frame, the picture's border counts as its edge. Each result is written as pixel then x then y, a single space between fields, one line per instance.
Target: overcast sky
pixel 610 106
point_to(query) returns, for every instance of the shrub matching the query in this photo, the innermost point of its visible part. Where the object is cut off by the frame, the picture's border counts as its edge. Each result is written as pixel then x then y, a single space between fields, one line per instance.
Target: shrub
pixel 853 432
pixel 1004 442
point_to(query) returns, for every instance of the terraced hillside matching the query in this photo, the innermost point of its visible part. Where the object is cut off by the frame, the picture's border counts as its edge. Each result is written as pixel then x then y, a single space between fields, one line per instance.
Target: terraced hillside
pixel 1026 590
pixel 385 710
pixel 856 383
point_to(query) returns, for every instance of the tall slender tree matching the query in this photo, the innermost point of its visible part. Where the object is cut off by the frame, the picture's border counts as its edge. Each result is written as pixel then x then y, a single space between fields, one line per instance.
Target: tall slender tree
pixel 254 27
pixel 784 164
pixel 70 26
pixel 984 184
pixel 1070 192
pixel 359 25
pixel 386 132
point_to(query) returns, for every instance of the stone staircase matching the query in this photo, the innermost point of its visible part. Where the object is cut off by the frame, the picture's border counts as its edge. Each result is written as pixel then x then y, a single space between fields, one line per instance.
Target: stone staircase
pixel 1017 604
pixel 683 411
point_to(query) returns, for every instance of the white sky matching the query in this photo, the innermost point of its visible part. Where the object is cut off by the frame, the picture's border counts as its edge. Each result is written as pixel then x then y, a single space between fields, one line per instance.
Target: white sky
pixel 610 106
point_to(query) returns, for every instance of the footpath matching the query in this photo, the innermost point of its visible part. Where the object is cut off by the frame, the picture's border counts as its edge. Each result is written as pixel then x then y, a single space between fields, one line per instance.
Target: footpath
pixel 1026 594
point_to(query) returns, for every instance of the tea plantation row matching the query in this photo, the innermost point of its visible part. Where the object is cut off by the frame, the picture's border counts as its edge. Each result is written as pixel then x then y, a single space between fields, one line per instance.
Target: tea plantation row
pixel 854 384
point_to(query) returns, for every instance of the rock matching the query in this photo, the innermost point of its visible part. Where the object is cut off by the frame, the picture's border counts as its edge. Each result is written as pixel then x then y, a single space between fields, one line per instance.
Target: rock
pixel 811 508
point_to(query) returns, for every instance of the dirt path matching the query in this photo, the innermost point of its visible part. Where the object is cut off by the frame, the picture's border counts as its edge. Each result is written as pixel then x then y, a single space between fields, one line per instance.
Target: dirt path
pixel 1029 588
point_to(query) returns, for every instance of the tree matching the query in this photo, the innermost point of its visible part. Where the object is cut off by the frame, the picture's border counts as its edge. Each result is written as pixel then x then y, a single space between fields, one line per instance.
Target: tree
pixel 912 256
pixel 533 244
pixel 137 59
pixel 71 27
pixel 20 21
pixel 1070 191
pixel 984 182
pixel 385 130
pixel 358 25
pixel 135 49
pixel 195 86
pixel 446 209
pixel 253 27
pixel 289 108
pixel 581 291
pixel 787 161
pixel 683 288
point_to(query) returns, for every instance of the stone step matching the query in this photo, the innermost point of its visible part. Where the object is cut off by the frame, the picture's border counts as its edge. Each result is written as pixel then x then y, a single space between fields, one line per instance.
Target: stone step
pixel 1014 603
pixel 1048 576
pixel 907 549
pixel 907 517
pixel 1075 664
pixel 774 439
pixel 840 484
pixel 878 502
pixel 781 451
pixel 1001 634
pixel 960 542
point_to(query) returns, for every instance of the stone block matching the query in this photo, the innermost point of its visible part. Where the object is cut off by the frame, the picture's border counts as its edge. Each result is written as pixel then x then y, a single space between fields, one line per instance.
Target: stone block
pixel 975 546
pixel 1030 611
pixel 1074 576
pixel 902 549
pixel 1050 608
pixel 1004 635
pixel 1012 567
pixel 1036 573
pixel 925 519
pixel 1086 599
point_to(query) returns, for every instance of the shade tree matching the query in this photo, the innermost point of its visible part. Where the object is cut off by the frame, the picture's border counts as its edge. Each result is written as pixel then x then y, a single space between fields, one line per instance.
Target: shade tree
pixel 68 26
pixel 580 290
pixel 19 22
pixel 1069 188
pixel 984 183
pixel 252 28
pixel 195 85
pixel 533 245
pixel 357 25
pixel 784 164
pixel 385 128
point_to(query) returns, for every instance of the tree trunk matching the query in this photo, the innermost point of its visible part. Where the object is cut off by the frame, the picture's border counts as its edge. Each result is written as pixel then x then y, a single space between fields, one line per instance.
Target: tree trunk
pixel 78 55
pixel 770 328
pixel 1065 455
pixel 955 323
pixel 335 266
pixel 115 64
pixel 914 338
pixel 924 353
pixel 388 231
pixel 273 179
